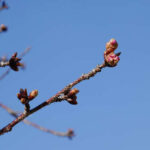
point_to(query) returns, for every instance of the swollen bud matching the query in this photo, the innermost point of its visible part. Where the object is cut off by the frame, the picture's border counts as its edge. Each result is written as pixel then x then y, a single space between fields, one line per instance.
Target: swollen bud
pixel 111 59
pixel 73 92
pixel 33 94
pixel 70 133
pixel 19 95
pixel 72 100
pixel 23 100
pixel 111 45
pixel 3 27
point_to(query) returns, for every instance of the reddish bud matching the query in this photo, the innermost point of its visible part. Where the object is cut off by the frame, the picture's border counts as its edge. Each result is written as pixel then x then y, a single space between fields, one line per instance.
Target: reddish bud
pixel 70 133
pixel 25 92
pixel 3 27
pixel 15 54
pixel 33 94
pixel 111 45
pixel 19 96
pixel 23 100
pixel 73 100
pixel 23 95
pixel 14 62
pixel 73 92
pixel 111 59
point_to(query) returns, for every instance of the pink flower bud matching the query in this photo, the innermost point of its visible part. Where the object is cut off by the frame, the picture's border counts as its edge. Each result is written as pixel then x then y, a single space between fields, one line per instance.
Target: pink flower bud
pixel 111 45
pixel 111 59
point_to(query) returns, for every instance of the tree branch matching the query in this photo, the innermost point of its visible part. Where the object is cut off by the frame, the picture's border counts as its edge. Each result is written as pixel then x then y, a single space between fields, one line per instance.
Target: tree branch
pixel 53 99
pixel 69 133
pixel 67 93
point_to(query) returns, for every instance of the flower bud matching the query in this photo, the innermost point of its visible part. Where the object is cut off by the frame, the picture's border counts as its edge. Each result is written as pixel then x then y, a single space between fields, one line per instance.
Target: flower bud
pixel 14 62
pixel 111 59
pixel 3 27
pixel 23 100
pixel 33 94
pixel 72 100
pixel 73 92
pixel 70 133
pixel 111 45
pixel 19 96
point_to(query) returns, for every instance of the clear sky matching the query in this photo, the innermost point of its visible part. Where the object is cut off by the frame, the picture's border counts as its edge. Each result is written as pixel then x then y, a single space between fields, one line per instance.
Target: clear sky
pixel 68 38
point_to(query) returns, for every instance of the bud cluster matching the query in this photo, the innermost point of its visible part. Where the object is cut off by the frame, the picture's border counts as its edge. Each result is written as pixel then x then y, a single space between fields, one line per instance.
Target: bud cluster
pixel 14 62
pixel 71 96
pixel 24 97
pixel 111 59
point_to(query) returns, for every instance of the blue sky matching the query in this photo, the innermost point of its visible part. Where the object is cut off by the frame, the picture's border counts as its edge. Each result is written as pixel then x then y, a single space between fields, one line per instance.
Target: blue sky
pixel 68 38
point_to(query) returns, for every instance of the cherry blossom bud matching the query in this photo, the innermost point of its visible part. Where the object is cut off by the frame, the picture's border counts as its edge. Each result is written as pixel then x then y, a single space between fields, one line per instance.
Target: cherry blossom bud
pixel 23 100
pixel 70 133
pixel 19 96
pixel 73 100
pixel 33 94
pixel 14 62
pixel 73 92
pixel 3 27
pixel 111 45
pixel 111 59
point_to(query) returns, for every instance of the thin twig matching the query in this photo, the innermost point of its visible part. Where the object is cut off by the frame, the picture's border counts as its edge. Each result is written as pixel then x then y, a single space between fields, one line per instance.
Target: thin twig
pixel 68 134
pixel 25 52
pixel 53 99
pixel 5 74
pixel 13 113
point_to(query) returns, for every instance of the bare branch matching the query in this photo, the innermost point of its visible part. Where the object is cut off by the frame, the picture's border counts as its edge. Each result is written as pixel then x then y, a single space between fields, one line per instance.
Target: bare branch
pixel 53 99
pixel 69 133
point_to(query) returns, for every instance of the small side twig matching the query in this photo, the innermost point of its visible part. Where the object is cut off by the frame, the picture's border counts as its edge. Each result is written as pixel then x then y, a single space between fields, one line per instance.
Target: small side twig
pixel 25 52
pixel 69 133
pixel 4 74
